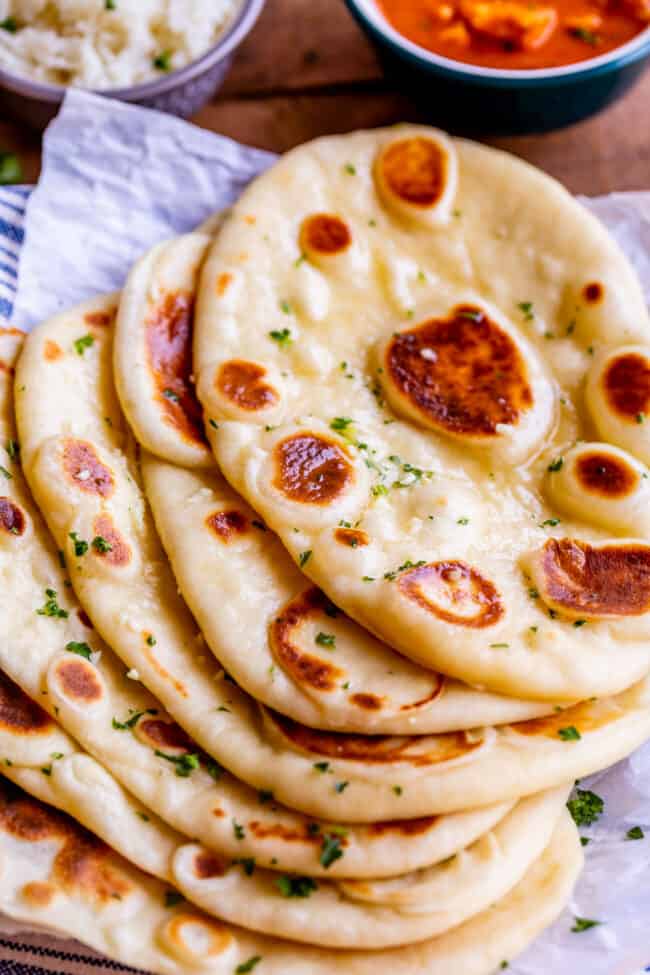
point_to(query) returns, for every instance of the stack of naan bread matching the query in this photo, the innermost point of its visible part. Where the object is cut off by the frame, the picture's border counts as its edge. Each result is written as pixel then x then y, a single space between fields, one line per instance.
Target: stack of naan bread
pixel 324 698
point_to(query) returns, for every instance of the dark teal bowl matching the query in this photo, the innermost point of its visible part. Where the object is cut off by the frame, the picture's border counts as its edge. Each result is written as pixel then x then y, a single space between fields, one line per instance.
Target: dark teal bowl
pixel 467 98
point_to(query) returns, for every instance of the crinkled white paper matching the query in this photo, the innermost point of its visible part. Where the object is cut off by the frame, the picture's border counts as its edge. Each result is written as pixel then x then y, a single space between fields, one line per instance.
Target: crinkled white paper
pixel 117 179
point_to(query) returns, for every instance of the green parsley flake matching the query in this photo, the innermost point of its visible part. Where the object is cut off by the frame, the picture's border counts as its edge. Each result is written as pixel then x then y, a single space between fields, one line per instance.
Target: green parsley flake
pixel 143 816
pixel 248 966
pixel 85 342
pixel 171 395
pixel 340 787
pixel 10 169
pixel 550 523
pixel 583 924
pixel 499 646
pixel 5 473
pixel 238 830
pixel 397 789
pixel 295 886
pixel 304 558
pixel 636 833
pixel 151 640
pixel 341 423
pixel 330 850
pixel 570 733
pixel 556 466
pixel 586 807
pixel 10 24
pixel 350 169
pixel 82 649
pixel 248 864
pixel 325 640
pixel 185 764
pixel 322 766
pixel 213 424
pixel 282 337
pixel 51 607
pixel 80 546
pixel 585 35
pixel 110 4
pixel 172 898
pixel 640 418
pixel 163 61
pixel 131 721
pixel 213 768
pixel 527 308
pixel 579 623
pixel 13 450
pixel 285 308
pixel 101 545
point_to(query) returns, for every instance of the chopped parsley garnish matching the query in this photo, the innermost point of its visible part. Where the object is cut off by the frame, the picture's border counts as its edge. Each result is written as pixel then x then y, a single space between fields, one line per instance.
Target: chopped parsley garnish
pixel 248 966
pixel 213 424
pixel 143 816
pixel 463 521
pixel 101 545
pixel 588 36
pixel 172 898
pixel 131 721
pixel 350 169
pixel 170 395
pixel 82 649
pixel 163 61
pixel 583 924
pixel 640 418
pixel 10 24
pixel 5 473
pixel 110 4
pixel 322 766
pixel 341 423
pixel 325 640
pixel 285 308
pixel 579 623
pixel 402 568
pixel 85 342
pixel 340 787
pixel 304 558
pixel 550 523
pixel 556 465
pixel 474 316
pixel 397 789
pixel 13 450
pixel 47 770
pixel 151 640
pixel 533 592
pixel 185 764
pixel 10 169
pixel 80 546
pixel 527 308
pixel 238 830
pixel 570 733
pixel 585 841
pixel 586 807
pixel 248 863
pixel 330 850
pixel 51 607
pixel 259 525
pixel 636 833
pixel 282 336
pixel 295 886
pixel 213 768
pixel 499 646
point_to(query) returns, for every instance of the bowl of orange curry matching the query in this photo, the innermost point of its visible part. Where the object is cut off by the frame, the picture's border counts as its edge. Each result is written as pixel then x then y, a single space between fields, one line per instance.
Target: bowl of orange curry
pixel 510 65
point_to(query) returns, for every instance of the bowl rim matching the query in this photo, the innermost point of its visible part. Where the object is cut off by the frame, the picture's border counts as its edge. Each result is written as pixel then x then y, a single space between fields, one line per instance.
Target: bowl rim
pixel 246 14
pixel 368 12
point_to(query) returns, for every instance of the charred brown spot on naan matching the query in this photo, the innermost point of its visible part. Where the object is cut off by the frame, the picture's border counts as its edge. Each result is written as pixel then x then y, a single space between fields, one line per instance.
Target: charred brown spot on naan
pixel 324 234
pixel 38 894
pixel 228 525
pixel 306 833
pixel 85 470
pixel 593 292
pixel 18 713
pixel 195 937
pixel 311 468
pixel 27 820
pixel 406 827
pixel 376 749
pixel 164 735
pixel 626 385
pixel 606 474
pixel 117 551
pixel 369 702
pixel 149 650
pixel 585 717
pixel 208 864
pixel 243 383
pixel 463 375
pixel 414 170
pixel 454 592
pixel 438 681
pixel 596 582
pixel 223 283
pixel 102 319
pixel 352 537
pixel 12 518
pixel 303 667
pixel 51 351
pixel 168 331
pixel 82 867
pixel 78 680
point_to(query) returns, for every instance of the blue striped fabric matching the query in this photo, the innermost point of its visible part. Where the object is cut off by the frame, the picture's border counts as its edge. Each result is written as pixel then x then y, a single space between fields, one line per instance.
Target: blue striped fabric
pixel 13 203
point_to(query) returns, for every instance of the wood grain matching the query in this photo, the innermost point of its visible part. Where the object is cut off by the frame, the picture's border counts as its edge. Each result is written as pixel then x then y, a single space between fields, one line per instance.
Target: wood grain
pixel 307 70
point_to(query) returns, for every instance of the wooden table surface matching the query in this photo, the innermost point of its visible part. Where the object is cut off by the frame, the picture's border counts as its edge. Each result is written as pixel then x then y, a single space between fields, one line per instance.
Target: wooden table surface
pixel 306 70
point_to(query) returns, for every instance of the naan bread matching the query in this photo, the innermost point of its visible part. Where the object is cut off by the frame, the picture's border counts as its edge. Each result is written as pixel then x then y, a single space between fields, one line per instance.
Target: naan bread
pixel 85 482
pixel 271 625
pixel 152 352
pixel 402 349
pixel 123 726
pixel 55 874
pixel 47 763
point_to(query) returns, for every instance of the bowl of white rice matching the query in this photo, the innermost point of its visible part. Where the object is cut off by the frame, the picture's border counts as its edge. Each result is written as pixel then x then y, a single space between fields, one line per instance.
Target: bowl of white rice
pixel 166 54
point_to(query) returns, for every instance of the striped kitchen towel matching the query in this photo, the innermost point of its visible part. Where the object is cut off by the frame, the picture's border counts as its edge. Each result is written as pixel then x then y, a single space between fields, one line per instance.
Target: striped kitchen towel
pixel 13 203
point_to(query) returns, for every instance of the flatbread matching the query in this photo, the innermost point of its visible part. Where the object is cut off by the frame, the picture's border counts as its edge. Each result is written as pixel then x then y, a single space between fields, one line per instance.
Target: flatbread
pixel 152 352
pixel 120 911
pixel 85 481
pixel 399 350
pixel 111 715
pixel 48 764
pixel 365 687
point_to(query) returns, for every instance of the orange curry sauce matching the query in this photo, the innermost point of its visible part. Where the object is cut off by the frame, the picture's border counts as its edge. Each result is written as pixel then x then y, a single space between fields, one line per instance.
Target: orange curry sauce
pixel 518 34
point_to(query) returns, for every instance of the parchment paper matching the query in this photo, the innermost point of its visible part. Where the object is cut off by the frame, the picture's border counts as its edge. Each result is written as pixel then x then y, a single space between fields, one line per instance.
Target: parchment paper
pixel 117 179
